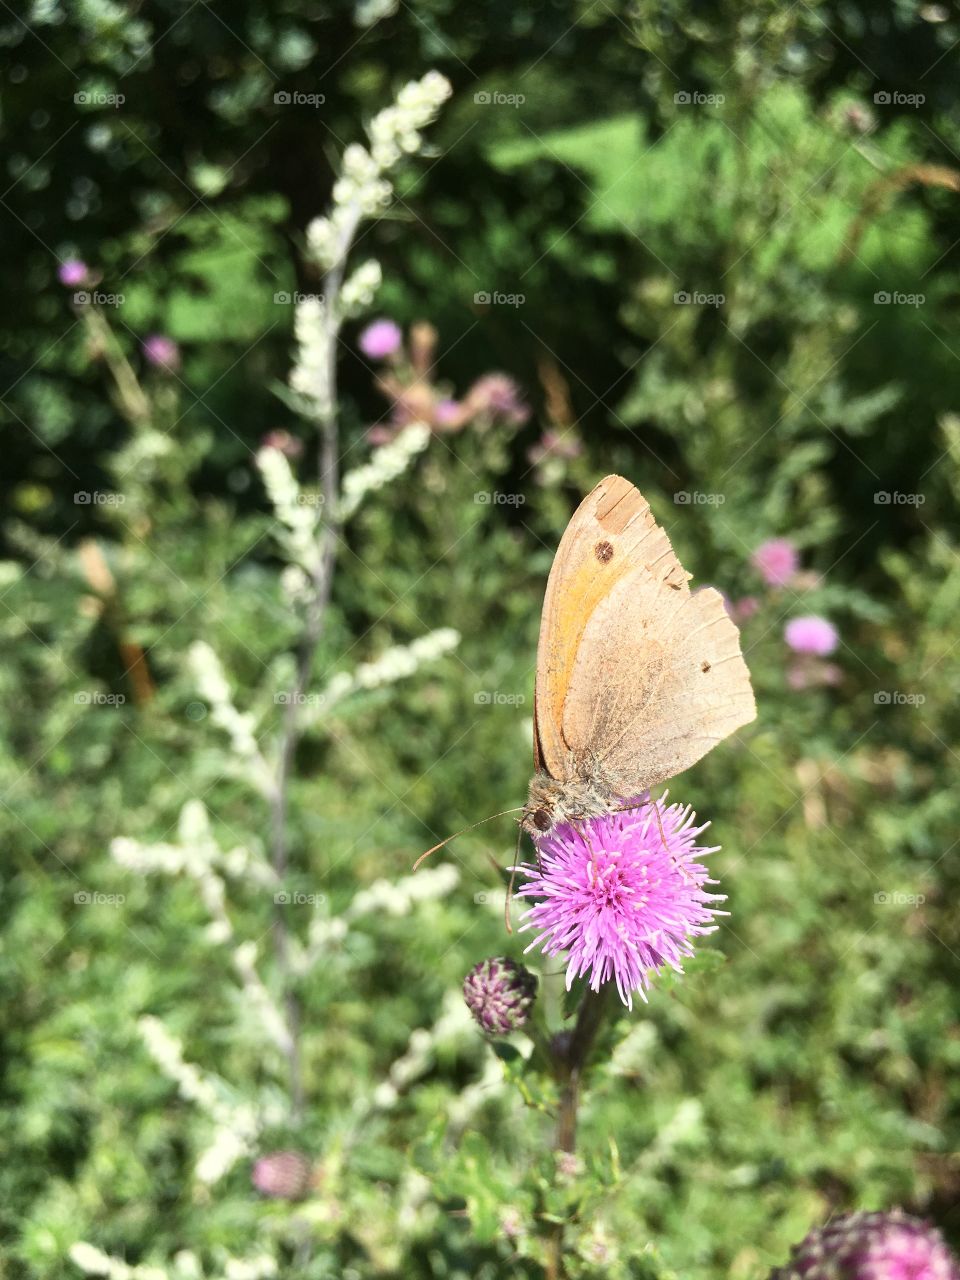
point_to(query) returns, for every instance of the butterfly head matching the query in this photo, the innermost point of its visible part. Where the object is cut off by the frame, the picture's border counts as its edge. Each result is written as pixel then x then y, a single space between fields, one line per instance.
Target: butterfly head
pixel 584 793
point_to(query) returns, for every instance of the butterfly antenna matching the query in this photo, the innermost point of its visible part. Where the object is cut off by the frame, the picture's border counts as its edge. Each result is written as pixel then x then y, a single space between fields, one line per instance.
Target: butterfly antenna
pixel 424 856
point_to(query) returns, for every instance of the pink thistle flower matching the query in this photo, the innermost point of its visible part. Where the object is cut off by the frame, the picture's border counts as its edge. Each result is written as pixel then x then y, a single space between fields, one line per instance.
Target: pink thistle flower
pixel 811 634
pixel 162 352
pixel 282 1175
pixel 872 1246
pixel 288 445
pixel 497 395
pixel 809 673
pixel 72 272
pixel 380 340
pixel 743 609
pixel 776 561
pixel 448 413
pixel 621 899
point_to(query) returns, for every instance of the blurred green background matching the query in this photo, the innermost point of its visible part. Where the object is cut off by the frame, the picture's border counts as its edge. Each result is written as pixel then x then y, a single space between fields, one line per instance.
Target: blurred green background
pixel 797 165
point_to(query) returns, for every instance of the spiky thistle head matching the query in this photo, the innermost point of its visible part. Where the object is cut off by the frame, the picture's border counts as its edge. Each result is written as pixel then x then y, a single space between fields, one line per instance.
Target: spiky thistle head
pixel 871 1246
pixel 500 993
pixel 622 894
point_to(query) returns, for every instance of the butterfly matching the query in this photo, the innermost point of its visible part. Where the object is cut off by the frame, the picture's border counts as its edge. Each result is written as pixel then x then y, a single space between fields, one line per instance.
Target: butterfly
pixel 638 677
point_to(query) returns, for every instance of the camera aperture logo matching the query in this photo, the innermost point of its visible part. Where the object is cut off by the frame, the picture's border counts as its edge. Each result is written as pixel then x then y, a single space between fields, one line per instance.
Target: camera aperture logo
pixel 898 698
pixel 496 698
pixel 483 298
pixel 697 298
pixel 898 899
pixel 688 498
pixel 295 898
pixel 895 98
pixel 494 498
pixel 693 98
pixel 294 98
pixel 894 298
pixel 95 98
pixel 494 98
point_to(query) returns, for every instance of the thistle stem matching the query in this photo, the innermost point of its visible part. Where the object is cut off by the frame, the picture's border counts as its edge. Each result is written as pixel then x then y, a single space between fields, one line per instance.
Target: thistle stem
pixel 570 1056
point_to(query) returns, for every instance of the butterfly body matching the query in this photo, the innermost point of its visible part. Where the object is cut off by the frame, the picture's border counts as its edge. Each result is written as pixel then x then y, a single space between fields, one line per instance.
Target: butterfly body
pixel 586 790
pixel 637 676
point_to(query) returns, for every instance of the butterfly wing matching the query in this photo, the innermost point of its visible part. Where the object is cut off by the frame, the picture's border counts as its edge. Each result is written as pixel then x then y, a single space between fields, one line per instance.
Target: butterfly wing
pixel 657 682
pixel 611 533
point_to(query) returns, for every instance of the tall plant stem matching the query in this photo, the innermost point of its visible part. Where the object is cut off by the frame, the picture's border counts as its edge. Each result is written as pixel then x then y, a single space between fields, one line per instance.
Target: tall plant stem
pixel 571 1054
pixel 321 585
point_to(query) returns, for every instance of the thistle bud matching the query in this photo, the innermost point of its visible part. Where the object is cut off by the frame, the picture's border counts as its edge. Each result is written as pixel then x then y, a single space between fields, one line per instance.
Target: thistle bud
pixel 500 993
pixel 282 1175
pixel 871 1246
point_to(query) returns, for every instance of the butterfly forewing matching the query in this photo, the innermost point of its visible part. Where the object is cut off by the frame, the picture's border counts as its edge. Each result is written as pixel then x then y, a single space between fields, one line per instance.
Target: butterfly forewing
pixel 611 534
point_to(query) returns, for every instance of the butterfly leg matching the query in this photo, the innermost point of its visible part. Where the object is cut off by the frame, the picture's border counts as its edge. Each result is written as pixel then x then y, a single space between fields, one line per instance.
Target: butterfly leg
pixel 508 901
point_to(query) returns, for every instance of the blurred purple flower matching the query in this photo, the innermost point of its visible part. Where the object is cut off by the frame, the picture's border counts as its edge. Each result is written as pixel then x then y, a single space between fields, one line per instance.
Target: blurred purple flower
pixel 380 340
pixel 744 608
pixel 497 395
pixel 809 673
pixel 811 634
pixel 553 444
pixel 872 1246
pixel 623 900
pixel 282 1175
pixel 73 272
pixel 162 352
pixel 776 561
pixel 448 413
pixel 288 445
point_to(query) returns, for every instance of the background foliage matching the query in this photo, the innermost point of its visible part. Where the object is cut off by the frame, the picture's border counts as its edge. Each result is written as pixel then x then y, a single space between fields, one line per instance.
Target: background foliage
pixel 807 1065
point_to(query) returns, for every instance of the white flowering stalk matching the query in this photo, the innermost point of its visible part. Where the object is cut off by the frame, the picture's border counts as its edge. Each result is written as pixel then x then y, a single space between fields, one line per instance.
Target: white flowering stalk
pixel 387 464
pixel 395 898
pixel 311 529
pixel 235 1125
pixel 185 1266
pixel 199 856
pixel 212 686
pixel 399 662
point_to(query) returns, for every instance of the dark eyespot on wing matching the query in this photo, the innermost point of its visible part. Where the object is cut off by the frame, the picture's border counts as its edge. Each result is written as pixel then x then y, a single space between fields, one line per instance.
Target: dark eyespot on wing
pixel 604 552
